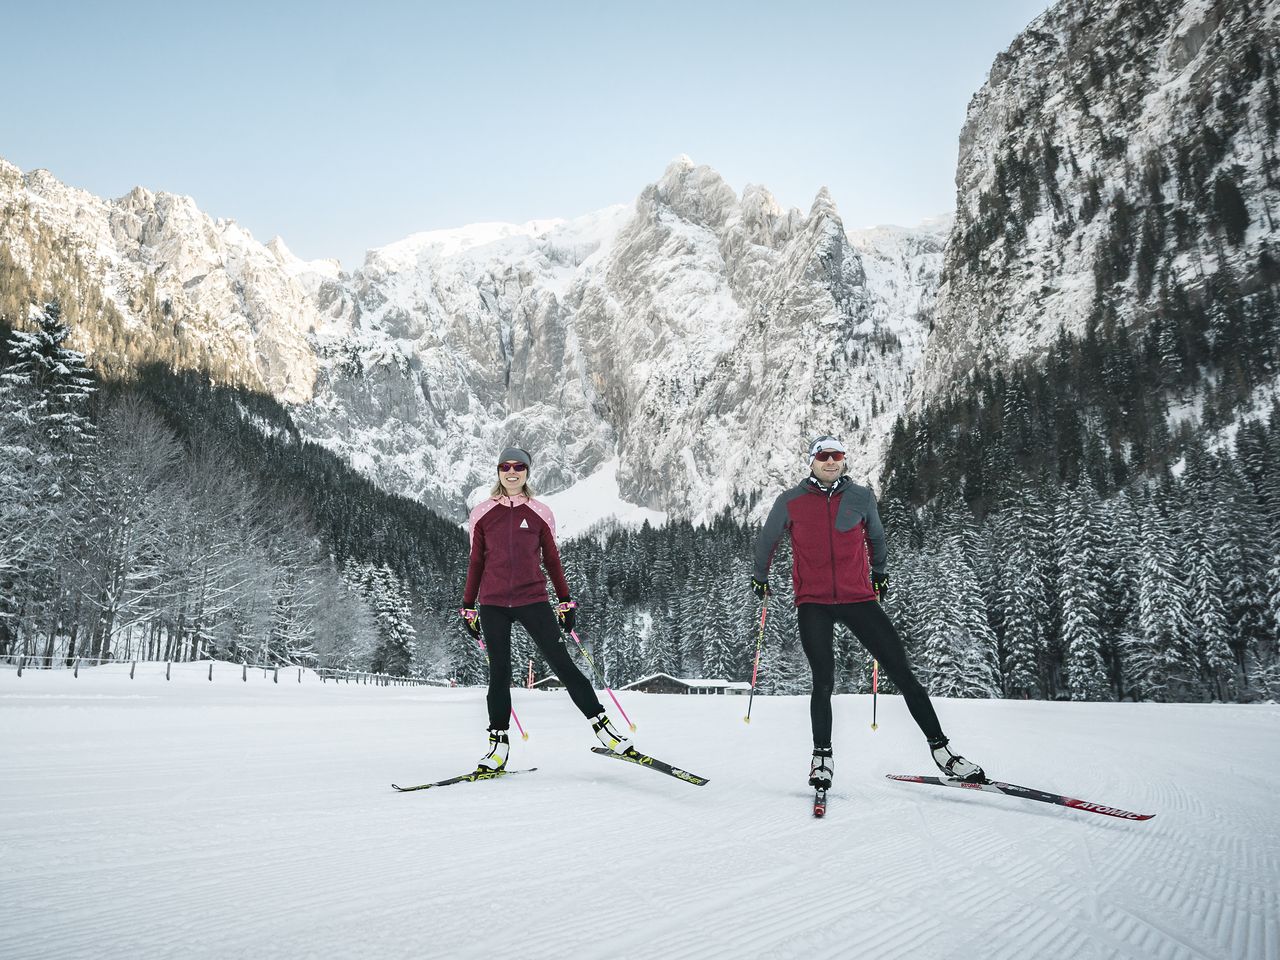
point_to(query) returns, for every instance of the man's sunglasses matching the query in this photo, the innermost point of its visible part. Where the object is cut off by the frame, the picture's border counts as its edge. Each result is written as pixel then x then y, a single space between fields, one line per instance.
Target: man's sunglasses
pixel 508 467
pixel 826 455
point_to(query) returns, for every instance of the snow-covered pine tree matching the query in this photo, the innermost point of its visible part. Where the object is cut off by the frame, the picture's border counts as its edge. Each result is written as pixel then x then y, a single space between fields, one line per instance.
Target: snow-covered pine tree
pixel 1208 620
pixel 50 383
pixel 345 630
pixel 1020 595
pixel 1243 560
pixel 717 628
pixel 981 650
pixel 394 652
pixel 1080 588
pixel 45 430
pixel 1160 661
pixel 940 639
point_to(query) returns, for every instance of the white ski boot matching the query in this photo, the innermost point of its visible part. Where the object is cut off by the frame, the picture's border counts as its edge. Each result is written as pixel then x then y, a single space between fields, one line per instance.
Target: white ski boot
pixel 499 748
pixel 608 734
pixel 954 766
pixel 821 768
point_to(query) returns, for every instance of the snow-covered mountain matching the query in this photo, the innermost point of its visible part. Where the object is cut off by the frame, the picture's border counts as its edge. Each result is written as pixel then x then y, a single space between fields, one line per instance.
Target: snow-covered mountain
pixel 698 337
pixel 1119 157
pixel 151 277
pixel 1119 163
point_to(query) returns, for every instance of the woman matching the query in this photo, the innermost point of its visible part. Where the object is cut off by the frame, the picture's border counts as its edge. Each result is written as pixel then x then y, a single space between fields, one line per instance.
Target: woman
pixel 512 539
pixel 838 572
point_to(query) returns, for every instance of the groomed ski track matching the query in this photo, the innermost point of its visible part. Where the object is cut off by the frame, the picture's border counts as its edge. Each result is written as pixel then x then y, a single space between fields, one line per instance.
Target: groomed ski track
pixel 191 818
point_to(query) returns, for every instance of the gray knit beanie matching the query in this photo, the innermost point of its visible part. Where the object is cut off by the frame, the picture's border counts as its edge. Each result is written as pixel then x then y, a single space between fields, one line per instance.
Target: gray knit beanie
pixel 516 455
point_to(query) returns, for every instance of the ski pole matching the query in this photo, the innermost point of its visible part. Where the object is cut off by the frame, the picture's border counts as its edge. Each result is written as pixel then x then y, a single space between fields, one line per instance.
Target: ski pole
pixel 875 690
pixel 523 735
pixel 485 651
pixel 755 671
pixel 596 671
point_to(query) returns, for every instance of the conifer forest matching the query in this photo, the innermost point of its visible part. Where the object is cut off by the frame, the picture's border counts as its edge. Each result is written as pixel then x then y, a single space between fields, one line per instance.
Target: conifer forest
pixel 1049 537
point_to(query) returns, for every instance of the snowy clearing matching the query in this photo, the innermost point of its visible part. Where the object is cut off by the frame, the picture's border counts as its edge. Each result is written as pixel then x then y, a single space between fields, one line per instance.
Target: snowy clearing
pixel 192 818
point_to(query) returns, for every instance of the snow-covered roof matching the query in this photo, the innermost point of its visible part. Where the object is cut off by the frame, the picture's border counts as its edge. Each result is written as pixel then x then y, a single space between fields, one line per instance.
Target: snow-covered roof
pixel 691 682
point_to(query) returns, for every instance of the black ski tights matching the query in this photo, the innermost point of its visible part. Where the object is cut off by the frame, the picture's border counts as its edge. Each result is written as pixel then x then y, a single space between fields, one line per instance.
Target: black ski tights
pixel 540 620
pixel 875 631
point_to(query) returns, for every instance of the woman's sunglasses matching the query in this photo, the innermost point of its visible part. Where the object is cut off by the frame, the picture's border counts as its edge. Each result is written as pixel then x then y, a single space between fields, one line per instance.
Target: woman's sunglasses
pixel 509 467
pixel 826 455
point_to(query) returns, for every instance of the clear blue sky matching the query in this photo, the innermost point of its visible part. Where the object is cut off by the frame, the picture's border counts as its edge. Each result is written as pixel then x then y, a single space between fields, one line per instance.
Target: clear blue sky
pixel 345 126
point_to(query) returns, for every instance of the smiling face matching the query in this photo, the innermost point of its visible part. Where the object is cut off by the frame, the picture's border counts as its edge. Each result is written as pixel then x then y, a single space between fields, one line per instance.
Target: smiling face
pixel 828 471
pixel 512 475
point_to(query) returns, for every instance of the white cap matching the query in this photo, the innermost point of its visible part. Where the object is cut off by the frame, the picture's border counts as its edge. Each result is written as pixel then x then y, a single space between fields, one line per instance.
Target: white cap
pixel 826 442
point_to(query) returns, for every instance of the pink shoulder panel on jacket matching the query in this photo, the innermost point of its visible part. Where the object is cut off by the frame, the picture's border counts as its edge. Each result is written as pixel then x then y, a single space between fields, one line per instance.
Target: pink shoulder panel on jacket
pixel 544 511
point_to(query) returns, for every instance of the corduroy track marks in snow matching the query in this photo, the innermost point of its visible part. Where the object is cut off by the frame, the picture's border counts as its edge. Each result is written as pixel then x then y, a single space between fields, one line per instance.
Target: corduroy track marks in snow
pixel 145 819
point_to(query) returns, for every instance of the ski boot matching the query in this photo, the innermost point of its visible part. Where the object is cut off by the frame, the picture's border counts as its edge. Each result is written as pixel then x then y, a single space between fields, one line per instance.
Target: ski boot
pixel 821 768
pixel 499 748
pixel 954 766
pixel 608 734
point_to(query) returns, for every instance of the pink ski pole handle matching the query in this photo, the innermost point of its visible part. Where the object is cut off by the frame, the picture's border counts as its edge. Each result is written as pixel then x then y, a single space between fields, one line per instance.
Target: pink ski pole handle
pixel 578 641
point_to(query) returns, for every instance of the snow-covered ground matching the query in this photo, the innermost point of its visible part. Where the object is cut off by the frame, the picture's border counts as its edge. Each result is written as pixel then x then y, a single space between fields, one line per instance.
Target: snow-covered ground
pixel 595 499
pixel 192 818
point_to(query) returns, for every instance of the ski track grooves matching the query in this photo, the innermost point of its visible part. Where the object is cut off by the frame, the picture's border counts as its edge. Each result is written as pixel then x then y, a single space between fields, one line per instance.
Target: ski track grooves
pixel 207 823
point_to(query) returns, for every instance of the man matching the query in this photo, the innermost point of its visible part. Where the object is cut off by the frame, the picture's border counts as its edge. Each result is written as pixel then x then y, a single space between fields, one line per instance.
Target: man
pixel 838 571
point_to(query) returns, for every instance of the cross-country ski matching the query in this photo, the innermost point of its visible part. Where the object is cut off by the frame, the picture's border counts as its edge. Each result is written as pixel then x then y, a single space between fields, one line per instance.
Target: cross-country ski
pixel 1025 793
pixel 820 802
pixel 464 778
pixel 652 763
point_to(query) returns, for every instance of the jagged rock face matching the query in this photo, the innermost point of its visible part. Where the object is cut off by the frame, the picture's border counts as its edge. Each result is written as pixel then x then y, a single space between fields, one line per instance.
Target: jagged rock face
pixel 1117 149
pixel 166 265
pixel 699 336
pixel 724 333
pixel 460 344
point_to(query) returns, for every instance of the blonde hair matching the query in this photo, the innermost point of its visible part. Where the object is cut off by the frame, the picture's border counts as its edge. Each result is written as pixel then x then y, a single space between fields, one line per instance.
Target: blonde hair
pixel 500 491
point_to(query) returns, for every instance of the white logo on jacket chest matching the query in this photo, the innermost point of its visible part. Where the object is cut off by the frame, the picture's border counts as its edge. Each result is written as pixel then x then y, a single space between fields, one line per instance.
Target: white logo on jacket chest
pixel 524 524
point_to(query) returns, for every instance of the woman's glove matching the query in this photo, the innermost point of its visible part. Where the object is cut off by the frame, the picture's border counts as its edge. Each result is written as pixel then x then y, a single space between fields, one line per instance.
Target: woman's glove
pixel 567 613
pixel 471 616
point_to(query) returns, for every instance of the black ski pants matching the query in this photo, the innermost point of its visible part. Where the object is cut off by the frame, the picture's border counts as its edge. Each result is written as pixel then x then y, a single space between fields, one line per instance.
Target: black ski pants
pixel 874 630
pixel 540 621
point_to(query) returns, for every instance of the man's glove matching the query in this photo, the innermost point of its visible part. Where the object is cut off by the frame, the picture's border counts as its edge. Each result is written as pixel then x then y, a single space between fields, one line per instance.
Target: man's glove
pixel 760 588
pixel 567 612
pixel 471 617
pixel 880 584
